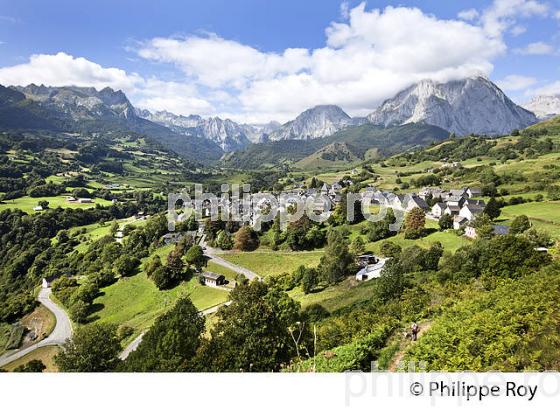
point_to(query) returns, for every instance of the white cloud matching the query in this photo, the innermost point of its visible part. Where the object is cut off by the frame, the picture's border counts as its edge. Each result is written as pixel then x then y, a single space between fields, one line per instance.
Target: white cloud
pixel 469 14
pixel 364 62
pixel 502 15
pixel 216 62
pixel 518 30
pixel 538 48
pixel 548 89
pixel 516 82
pixel 179 98
pixel 62 69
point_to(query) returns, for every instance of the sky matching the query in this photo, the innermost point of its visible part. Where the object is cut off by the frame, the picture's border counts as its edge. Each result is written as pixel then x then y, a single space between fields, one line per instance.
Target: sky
pixel 260 60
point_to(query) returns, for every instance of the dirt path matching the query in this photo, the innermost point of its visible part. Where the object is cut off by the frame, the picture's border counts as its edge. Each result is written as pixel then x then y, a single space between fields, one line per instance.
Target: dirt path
pixel 404 346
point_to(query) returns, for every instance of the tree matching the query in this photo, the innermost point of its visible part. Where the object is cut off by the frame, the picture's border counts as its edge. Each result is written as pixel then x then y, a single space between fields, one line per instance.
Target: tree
pixel 224 240
pixel 33 366
pixel 195 256
pixel 171 343
pixel 337 262
pixel 390 249
pixel 152 265
pixel 483 225
pixel 79 311
pixel 176 265
pixel 492 208
pixel 87 292
pixel 414 223
pixel 309 279
pixel 93 348
pixel 357 246
pixel 163 278
pixel 252 333
pixel 445 222
pixel 519 225
pixel 246 239
pixel 391 282
pixel 43 204
pixel 125 265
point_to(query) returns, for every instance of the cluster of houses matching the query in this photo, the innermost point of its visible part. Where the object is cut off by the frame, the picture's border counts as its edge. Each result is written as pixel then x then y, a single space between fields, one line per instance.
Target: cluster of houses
pixel 79 200
pixel 460 204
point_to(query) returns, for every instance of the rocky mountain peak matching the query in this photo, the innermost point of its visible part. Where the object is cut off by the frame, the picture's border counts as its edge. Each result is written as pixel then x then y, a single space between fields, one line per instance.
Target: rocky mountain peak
pixel 473 105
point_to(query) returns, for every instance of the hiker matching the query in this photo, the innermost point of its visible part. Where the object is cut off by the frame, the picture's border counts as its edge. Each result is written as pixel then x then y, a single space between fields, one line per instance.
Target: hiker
pixel 414 331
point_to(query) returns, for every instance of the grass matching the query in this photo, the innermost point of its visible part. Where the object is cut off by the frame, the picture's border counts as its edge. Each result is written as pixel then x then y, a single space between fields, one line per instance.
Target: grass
pixel 338 296
pixel 266 263
pixel 543 215
pixel 27 203
pixel 41 321
pixel 221 270
pixel 5 330
pixel 45 354
pixel 136 301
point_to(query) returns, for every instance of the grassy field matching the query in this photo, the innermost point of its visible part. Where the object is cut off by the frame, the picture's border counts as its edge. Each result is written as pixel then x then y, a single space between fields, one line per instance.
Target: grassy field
pixel 221 270
pixel 45 354
pixel 338 296
pixel 27 203
pixel 543 215
pixel 266 263
pixel 136 301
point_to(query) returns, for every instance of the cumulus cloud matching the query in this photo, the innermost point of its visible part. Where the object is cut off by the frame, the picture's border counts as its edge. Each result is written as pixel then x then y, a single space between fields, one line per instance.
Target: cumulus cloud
pixel 469 14
pixel 537 48
pixel 365 60
pixel 516 82
pixel 502 15
pixel 216 62
pixel 62 69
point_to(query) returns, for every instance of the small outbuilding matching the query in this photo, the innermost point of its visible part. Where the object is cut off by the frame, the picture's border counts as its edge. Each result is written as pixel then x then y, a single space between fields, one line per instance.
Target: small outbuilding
pixel 213 279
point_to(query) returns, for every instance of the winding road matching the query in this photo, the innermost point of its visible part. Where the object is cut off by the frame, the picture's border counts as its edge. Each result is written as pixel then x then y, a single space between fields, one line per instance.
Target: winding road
pixel 212 253
pixel 62 330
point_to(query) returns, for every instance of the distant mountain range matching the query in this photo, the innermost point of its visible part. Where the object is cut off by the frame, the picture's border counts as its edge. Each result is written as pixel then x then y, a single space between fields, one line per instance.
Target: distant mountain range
pixel 76 109
pixel 471 106
pixel 544 106
pixel 229 135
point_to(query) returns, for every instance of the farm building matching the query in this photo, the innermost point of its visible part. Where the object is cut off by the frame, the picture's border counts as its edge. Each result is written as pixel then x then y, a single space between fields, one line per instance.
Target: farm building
pixel 213 279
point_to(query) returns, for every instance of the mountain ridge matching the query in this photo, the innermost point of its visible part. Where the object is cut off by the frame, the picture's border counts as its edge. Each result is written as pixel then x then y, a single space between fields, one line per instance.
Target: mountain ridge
pixel 470 106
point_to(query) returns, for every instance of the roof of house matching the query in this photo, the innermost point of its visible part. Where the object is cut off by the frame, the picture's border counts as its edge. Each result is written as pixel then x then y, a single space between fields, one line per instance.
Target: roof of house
pixel 458 219
pixel 455 198
pixel 501 229
pixel 473 208
pixel 454 208
pixel 439 204
pixel 212 275
pixel 418 201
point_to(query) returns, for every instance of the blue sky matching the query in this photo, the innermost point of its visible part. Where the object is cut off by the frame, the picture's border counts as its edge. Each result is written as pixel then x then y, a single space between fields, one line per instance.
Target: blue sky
pixel 261 60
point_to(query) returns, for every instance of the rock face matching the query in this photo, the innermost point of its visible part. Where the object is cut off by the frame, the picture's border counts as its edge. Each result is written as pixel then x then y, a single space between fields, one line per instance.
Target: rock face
pixel 81 103
pixel 544 106
pixel 317 122
pixel 471 106
pixel 229 135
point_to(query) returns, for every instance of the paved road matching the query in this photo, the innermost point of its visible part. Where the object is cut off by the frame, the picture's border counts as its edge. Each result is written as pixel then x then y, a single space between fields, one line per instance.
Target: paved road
pixel 62 330
pixel 212 253
pixel 136 342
